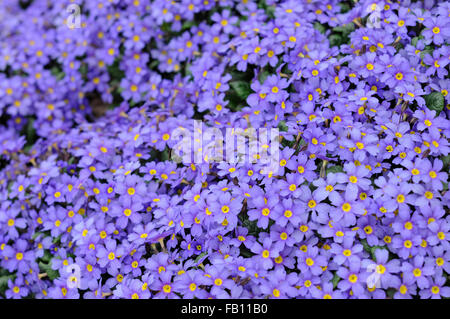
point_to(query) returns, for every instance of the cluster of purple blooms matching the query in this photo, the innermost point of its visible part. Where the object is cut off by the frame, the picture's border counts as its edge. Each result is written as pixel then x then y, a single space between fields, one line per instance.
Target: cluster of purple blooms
pixel 91 206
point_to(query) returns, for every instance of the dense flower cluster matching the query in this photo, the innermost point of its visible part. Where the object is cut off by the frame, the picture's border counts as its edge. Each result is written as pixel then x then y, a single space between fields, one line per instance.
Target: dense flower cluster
pixel 92 206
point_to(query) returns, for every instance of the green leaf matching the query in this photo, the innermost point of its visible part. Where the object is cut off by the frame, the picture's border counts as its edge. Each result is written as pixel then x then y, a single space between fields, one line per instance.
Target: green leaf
pixel 371 249
pixel 187 69
pixel 56 240
pixel 270 11
pixel 335 169
pixel 31 132
pixel 242 76
pixel 252 227
pixel 83 69
pixel 165 155
pixel 4 281
pixel 282 126
pixel 52 274
pixel 245 252
pixel 344 7
pixel 187 25
pixel 335 280
pixel 335 40
pixel 345 29
pixel 153 64
pixel 416 39
pixel 57 73
pixel 262 76
pixel 425 52
pixel 166 27
pixel 199 257
pixel 242 88
pixel 375 248
pixel 36 234
pixel 320 27
pixel 114 70
pixel 365 245
pixel 47 256
pixel 390 292
pixel 435 101
pixel 445 160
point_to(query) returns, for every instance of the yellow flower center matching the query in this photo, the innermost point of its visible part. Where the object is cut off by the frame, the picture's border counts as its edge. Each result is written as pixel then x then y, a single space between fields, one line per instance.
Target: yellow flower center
pixel 435 290
pixel 380 269
pixel 131 191
pixel 276 293
pixel 403 289
pixel 346 207
pixel 309 262
pixel 304 228
pixel 127 212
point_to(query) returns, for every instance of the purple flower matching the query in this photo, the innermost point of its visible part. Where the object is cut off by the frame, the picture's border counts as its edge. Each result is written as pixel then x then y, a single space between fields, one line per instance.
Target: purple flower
pixel 347 207
pixel 109 255
pixel 266 252
pixel 383 269
pixel 416 272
